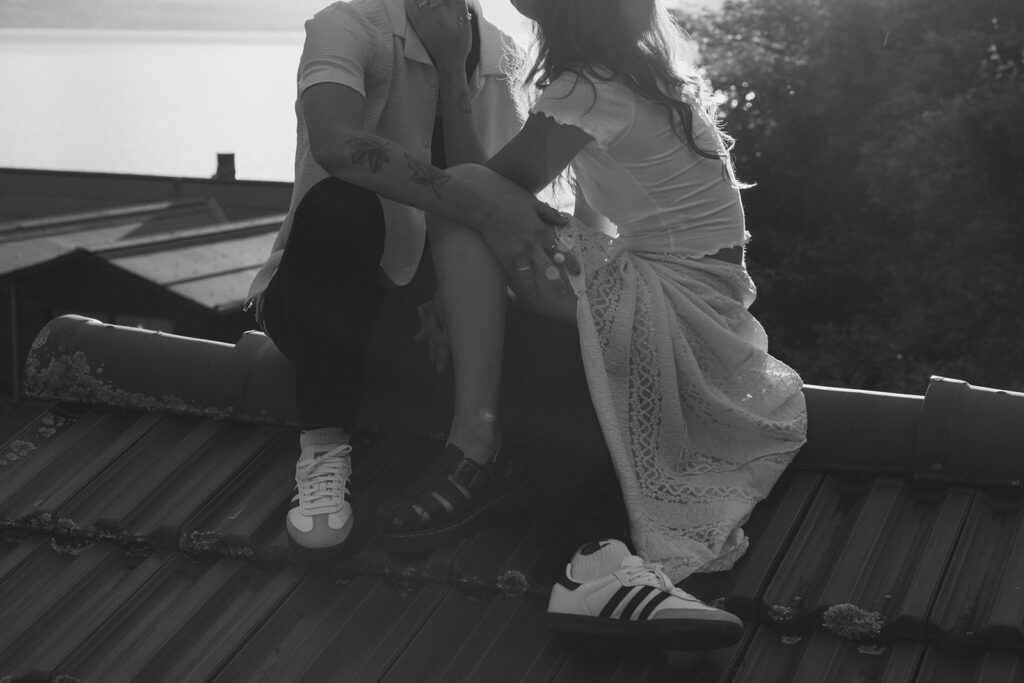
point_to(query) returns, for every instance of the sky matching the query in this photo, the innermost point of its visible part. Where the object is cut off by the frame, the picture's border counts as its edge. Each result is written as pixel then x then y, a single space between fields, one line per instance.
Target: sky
pixel 272 15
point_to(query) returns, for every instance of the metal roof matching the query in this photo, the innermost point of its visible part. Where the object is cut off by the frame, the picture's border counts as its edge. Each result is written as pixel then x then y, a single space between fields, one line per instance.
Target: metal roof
pixel 187 246
pixel 30 242
pixel 212 266
pixel 149 545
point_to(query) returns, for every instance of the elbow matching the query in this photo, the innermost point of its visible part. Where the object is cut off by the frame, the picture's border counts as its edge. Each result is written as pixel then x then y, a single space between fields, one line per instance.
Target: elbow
pixel 331 150
pixel 329 158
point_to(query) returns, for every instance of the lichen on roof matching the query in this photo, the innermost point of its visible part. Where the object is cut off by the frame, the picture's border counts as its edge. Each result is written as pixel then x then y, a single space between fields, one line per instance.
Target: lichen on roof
pixel 852 622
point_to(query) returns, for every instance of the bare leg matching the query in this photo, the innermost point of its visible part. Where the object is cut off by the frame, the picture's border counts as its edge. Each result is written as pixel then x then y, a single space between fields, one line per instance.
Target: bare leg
pixel 471 283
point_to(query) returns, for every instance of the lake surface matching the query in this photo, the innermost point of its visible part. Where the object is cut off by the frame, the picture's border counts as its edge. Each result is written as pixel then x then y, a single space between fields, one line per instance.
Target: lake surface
pixel 152 102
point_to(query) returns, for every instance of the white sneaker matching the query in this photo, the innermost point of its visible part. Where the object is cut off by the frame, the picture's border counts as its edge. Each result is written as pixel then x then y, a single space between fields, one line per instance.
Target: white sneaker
pixel 320 517
pixel 618 595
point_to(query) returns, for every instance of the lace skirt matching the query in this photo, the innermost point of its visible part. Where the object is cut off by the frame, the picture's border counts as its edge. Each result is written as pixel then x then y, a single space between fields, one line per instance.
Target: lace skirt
pixel 699 419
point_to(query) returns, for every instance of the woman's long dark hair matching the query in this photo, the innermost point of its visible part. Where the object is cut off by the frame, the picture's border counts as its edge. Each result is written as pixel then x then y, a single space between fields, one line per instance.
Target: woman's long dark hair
pixel 633 41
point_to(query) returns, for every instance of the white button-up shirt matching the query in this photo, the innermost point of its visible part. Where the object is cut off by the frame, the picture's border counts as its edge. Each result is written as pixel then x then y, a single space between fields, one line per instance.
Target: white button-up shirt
pixel 368 45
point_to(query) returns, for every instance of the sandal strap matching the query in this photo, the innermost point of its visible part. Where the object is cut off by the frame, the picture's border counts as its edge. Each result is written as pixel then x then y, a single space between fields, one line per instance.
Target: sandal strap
pixel 471 475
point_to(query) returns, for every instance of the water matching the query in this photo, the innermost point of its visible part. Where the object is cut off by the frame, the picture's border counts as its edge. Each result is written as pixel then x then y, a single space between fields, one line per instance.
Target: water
pixel 152 102
pixel 159 102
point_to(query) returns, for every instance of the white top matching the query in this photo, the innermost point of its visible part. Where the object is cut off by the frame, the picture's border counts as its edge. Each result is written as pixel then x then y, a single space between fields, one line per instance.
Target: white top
pixel 662 196
pixel 368 45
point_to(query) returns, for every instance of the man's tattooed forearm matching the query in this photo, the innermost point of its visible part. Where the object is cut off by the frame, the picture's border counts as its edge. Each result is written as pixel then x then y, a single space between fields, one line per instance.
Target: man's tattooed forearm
pixel 465 103
pixel 425 174
pixel 372 152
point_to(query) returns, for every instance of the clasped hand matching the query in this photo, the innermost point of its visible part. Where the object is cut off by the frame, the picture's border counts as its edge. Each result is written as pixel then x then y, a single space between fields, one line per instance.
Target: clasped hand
pixel 443 27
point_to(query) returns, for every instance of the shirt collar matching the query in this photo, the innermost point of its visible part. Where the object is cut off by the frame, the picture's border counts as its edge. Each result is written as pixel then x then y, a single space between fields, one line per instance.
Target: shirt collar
pixel 492 41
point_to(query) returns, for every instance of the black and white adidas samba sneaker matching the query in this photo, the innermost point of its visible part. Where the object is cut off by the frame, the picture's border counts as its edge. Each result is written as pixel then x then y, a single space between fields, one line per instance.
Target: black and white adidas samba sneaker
pixel 608 592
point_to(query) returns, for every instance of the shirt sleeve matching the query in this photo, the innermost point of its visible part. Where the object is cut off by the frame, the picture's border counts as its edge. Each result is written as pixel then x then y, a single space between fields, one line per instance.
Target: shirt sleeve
pixel 602 109
pixel 339 48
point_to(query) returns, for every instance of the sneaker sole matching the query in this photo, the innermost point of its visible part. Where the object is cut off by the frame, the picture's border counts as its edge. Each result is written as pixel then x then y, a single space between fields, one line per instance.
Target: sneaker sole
pixel 415 541
pixel 665 634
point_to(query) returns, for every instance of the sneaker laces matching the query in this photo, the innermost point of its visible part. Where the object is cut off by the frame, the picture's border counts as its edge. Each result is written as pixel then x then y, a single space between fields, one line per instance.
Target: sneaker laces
pixel 321 479
pixel 649 574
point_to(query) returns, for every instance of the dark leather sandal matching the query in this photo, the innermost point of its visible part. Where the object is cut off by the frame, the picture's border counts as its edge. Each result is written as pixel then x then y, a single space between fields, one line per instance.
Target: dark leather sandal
pixel 452 501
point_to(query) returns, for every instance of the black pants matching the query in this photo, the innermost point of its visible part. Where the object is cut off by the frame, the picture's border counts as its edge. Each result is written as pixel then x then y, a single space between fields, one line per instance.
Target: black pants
pixel 320 305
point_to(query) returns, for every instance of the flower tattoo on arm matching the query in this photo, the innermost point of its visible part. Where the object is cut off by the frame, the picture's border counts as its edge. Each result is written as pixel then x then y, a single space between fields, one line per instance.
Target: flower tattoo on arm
pixel 425 174
pixel 370 152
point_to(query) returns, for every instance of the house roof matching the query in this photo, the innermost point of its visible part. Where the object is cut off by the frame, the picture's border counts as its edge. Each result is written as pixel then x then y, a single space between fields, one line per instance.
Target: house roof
pixel 143 541
pixel 30 242
pixel 173 233
pixel 185 246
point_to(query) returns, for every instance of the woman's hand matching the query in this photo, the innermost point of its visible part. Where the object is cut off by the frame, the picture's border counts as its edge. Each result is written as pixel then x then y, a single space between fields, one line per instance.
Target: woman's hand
pixel 434 331
pixel 444 28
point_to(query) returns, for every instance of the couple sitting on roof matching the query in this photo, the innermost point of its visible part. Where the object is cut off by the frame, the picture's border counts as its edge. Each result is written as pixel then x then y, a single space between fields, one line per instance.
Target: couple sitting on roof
pixel 407 129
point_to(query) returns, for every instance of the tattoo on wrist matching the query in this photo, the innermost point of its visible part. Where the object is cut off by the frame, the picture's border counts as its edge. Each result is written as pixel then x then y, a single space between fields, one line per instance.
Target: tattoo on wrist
pixel 425 174
pixel 465 104
pixel 372 152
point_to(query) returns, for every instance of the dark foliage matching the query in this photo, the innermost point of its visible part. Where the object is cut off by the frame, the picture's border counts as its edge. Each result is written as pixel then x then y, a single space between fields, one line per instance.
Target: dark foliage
pixel 886 139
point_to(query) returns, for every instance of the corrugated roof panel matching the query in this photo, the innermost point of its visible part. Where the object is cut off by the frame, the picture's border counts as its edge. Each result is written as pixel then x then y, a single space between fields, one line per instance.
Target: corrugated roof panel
pixel 82 593
pixel 513 557
pixel 219 291
pixel 874 547
pixel 461 632
pixel 600 662
pixel 165 477
pixel 982 598
pixel 341 631
pixel 223 624
pixel 189 612
pixel 998 667
pixel 248 510
pixel 510 642
pixel 178 263
pixel 32 252
pixel 39 244
pixel 861 545
pixel 51 474
pixel 773 657
pixel 39 432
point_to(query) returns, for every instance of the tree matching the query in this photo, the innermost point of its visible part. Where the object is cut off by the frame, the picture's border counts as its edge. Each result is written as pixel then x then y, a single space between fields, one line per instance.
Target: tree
pixel 886 138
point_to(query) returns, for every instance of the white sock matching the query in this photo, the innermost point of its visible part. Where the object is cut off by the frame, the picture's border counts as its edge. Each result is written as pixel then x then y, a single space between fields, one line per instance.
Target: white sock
pixel 597 559
pixel 325 436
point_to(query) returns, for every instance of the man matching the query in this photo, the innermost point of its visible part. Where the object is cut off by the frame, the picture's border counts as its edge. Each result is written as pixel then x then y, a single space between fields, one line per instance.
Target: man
pixel 390 93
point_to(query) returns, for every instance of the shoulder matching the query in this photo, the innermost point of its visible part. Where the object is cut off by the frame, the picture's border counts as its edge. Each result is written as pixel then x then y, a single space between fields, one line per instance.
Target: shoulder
pixel 350 18
pixel 582 87
pixel 602 107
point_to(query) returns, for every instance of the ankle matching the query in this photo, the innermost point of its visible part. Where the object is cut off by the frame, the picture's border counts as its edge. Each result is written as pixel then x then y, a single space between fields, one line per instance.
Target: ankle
pixel 323 436
pixel 480 447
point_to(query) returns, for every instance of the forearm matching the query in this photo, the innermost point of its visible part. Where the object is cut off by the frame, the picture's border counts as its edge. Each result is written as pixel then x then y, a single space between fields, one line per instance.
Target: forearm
pixel 387 169
pixel 462 144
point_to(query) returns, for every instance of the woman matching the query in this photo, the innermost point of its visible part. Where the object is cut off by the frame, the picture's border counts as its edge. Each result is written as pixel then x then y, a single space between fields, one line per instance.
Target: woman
pixel 699 419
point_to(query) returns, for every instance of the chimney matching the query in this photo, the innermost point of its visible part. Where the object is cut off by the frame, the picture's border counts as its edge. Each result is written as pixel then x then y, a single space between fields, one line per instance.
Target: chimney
pixel 225 167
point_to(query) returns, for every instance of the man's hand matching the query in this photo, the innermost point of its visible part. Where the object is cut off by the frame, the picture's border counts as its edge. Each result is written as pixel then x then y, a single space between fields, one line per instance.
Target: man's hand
pixel 434 331
pixel 512 221
pixel 444 28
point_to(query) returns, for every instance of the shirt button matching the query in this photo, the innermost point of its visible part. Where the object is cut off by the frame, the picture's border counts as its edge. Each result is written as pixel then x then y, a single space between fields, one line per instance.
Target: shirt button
pixel 432 83
pixel 426 144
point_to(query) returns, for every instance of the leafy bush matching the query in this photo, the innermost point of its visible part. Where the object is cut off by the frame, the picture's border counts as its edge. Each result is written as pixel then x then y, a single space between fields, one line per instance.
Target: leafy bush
pixel 886 138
